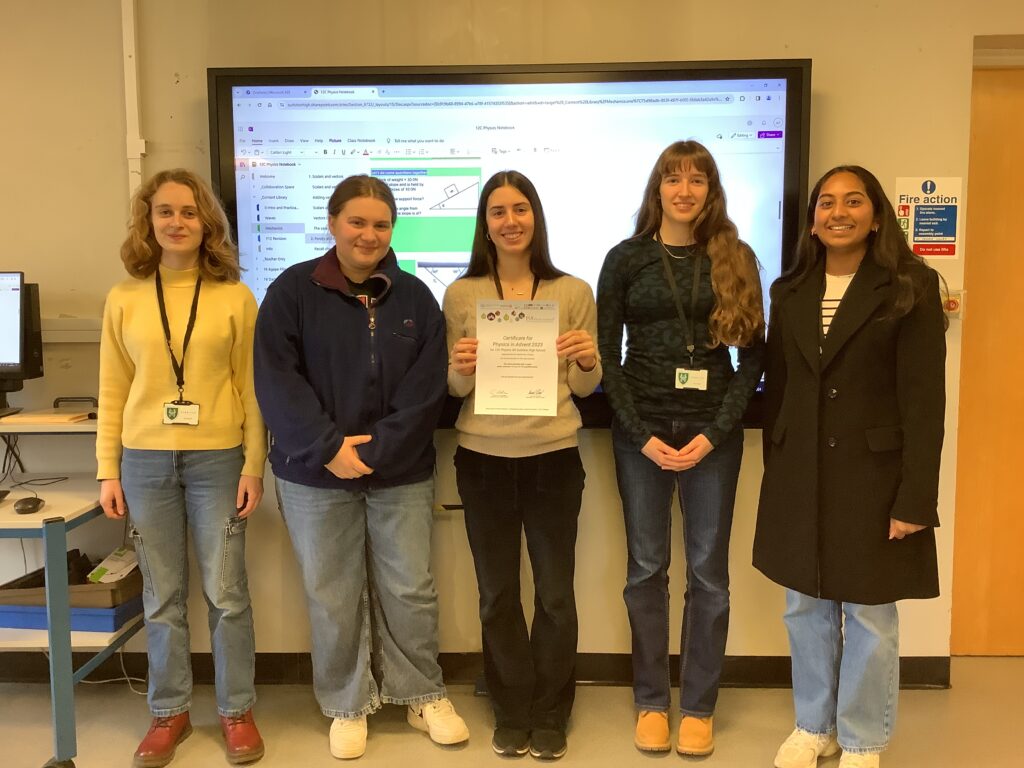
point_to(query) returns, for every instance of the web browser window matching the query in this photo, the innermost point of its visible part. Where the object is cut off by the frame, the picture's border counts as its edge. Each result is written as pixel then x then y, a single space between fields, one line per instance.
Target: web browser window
pixel 588 148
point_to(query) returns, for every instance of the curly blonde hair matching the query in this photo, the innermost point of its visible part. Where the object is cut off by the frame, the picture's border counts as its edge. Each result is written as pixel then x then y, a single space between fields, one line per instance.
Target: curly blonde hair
pixel 738 315
pixel 218 256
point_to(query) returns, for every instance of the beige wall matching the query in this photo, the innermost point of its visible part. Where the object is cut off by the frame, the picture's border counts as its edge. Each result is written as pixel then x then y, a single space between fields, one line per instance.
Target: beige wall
pixel 891 90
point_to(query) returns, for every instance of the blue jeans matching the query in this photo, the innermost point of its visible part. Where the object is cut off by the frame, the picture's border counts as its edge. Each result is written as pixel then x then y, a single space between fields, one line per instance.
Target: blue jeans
pixel 362 553
pixel 531 676
pixel 706 494
pixel 845 673
pixel 168 493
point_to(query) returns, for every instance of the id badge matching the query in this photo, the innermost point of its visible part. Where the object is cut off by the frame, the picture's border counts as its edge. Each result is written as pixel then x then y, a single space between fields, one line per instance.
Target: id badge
pixel 687 378
pixel 182 412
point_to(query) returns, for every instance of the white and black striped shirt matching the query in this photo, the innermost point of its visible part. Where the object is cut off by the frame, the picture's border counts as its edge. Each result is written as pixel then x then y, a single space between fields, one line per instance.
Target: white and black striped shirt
pixel 835 288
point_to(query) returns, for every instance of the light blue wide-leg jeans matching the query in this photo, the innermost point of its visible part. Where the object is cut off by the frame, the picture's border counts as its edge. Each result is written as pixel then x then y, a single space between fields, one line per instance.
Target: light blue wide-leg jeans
pixel 845 669
pixel 364 554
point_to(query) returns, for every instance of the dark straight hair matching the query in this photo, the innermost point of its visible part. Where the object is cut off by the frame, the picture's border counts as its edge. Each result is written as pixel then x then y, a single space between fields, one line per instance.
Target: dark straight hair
pixel 887 246
pixel 483 257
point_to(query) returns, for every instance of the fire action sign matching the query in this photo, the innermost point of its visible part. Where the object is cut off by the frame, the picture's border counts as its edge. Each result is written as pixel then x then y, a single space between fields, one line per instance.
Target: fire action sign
pixel 928 211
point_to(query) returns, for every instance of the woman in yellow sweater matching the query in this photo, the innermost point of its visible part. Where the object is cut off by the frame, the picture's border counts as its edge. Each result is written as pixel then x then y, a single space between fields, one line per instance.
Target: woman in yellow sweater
pixel 181 446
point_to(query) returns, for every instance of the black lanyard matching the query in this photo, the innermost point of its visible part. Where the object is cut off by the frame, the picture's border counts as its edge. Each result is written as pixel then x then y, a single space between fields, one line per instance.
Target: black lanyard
pixel 687 328
pixel 501 293
pixel 179 368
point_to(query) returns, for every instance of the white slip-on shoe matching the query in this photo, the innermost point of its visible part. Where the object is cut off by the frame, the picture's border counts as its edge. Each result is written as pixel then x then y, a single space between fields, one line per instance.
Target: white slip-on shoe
pixel 348 737
pixel 803 748
pixel 439 719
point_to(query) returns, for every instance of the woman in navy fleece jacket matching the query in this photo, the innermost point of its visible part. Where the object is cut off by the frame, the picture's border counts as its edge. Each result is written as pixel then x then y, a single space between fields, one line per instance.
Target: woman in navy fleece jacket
pixel 351 374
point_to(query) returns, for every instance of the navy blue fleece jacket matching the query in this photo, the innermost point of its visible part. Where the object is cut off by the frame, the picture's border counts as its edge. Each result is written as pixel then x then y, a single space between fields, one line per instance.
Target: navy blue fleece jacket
pixel 326 366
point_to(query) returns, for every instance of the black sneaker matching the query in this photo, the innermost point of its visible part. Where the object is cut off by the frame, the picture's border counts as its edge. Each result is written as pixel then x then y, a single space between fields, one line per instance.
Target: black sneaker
pixel 547 743
pixel 510 742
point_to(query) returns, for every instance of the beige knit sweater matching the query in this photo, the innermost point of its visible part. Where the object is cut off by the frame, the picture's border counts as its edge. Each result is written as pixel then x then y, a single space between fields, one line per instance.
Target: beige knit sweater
pixel 515 436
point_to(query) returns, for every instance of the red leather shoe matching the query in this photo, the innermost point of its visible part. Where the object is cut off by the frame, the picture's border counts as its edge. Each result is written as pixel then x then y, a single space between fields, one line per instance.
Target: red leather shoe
pixel 242 737
pixel 165 734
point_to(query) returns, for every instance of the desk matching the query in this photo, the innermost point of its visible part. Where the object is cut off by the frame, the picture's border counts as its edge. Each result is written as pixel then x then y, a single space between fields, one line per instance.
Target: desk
pixel 87 427
pixel 68 505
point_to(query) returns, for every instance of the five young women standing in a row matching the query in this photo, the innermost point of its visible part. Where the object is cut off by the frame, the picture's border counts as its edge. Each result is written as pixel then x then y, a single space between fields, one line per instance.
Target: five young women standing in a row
pixel 351 362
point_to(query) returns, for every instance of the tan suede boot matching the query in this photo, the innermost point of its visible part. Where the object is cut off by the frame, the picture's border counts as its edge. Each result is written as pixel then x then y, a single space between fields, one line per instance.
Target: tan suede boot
pixel 652 732
pixel 695 736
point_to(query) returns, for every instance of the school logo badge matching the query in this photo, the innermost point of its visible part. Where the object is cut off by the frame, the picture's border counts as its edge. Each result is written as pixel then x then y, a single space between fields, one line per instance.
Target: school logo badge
pixel 172 413
pixel 683 377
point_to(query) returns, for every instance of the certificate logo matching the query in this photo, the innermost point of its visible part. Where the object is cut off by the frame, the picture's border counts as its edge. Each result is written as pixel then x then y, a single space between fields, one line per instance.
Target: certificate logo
pixel 503 317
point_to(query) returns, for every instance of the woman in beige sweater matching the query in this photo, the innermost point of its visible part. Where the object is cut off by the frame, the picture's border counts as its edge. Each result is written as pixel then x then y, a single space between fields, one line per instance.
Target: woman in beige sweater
pixel 517 473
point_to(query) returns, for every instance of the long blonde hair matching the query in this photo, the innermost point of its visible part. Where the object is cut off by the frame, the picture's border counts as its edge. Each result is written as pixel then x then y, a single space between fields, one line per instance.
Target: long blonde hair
pixel 140 252
pixel 738 315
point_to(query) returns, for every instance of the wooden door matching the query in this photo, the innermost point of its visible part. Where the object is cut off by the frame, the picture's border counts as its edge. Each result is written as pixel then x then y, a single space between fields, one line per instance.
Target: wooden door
pixel 988 559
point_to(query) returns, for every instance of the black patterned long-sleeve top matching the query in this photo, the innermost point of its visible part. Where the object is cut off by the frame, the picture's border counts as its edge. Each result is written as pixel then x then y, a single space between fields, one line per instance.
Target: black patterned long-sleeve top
pixel 633 293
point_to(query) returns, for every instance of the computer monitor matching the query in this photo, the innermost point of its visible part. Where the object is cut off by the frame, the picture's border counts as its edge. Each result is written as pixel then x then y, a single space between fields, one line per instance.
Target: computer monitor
pixel 587 135
pixel 21 342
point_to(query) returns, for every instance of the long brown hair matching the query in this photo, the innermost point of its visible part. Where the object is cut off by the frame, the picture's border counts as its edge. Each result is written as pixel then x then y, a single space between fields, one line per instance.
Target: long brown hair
pixel 218 256
pixel 737 318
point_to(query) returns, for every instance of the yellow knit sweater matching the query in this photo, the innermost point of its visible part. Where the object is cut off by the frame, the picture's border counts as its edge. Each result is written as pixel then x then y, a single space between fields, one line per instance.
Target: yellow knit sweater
pixel 136 377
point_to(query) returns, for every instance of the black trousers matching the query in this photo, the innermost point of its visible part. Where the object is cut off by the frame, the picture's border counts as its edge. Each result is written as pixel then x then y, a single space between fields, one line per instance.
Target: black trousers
pixel 531 676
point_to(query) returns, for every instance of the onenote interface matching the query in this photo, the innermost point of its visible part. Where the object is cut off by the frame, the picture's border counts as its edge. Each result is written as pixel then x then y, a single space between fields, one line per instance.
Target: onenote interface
pixel 587 146
pixel 10 320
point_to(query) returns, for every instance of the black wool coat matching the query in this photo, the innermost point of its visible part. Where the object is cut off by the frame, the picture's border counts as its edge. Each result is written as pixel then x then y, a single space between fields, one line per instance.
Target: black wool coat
pixel 852 437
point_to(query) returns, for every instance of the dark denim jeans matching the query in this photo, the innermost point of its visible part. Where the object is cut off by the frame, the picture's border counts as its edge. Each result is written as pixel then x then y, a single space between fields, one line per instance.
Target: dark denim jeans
pixel 706 494
pixel 531 676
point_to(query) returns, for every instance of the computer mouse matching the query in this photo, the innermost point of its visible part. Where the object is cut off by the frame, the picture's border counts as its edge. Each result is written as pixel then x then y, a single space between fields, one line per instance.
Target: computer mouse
pixel 28 505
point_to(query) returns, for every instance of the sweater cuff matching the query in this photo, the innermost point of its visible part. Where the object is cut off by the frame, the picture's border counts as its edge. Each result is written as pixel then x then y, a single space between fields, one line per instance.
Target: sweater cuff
pixel 254 468
pixel 459 385
pixel 108 469
pixel 714 436
pixel 583 383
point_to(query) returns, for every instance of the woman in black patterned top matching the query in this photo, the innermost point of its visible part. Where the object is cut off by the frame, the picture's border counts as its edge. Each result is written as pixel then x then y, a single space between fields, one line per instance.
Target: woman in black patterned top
pixel 685 288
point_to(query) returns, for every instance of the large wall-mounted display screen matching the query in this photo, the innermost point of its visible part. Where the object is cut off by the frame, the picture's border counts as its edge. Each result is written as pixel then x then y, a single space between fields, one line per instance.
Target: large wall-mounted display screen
pixel 587 135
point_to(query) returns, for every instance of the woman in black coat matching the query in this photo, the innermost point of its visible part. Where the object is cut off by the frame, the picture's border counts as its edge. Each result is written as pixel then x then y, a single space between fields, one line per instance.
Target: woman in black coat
pixel 855 398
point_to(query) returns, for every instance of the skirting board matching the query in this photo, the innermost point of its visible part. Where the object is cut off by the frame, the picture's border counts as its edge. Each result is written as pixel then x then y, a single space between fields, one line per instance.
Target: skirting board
pixel 591 669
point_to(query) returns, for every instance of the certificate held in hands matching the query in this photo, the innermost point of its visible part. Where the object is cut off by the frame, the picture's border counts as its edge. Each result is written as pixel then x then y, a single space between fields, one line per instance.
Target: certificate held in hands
pixel 516 366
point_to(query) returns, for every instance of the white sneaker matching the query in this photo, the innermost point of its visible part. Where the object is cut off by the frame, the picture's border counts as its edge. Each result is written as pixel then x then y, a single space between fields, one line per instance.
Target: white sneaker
pixel 440 720
pixel 855 760
pixel 348 737
pixel 802 749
